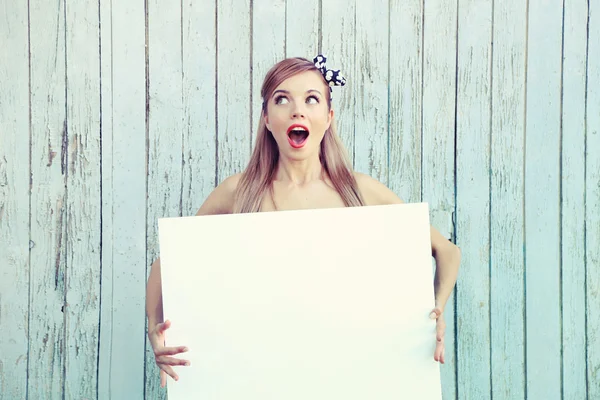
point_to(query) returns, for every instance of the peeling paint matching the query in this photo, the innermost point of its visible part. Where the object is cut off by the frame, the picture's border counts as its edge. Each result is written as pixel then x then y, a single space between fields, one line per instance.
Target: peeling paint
pixel 51 155
pixel 64 149
pixel 59 244
pixel 3 172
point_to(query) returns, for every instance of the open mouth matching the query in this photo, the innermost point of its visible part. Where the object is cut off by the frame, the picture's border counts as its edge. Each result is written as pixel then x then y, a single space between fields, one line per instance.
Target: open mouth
pixel 297 135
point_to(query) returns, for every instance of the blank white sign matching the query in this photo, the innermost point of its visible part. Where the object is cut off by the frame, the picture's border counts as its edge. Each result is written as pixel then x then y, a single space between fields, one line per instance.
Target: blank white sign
pixel 312 304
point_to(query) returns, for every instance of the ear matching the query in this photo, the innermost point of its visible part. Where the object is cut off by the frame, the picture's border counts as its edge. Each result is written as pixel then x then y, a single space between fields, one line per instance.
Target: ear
pixel 266 119
pixel 330 115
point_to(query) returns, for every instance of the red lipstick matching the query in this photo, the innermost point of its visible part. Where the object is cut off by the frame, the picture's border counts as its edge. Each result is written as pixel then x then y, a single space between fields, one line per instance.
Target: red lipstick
pixel 297 138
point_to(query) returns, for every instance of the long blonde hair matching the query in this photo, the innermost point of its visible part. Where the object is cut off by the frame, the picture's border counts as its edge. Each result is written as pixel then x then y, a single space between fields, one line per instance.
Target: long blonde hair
pixel 258 177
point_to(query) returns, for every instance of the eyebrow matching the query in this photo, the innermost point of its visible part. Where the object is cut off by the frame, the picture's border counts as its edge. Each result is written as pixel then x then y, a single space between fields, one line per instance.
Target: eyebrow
pixel 287 92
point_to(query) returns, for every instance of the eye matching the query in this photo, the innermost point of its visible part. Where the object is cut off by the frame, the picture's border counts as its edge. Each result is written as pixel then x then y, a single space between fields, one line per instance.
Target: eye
pixel 279 99
pixel 315 100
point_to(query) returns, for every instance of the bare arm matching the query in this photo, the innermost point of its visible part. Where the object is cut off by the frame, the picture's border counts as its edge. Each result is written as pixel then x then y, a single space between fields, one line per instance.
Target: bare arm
pixel 447 260
pixel 154 309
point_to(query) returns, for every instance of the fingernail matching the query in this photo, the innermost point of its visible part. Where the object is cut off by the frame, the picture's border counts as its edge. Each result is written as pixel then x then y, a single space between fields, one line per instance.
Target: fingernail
pixel 187 363
pixel 432 315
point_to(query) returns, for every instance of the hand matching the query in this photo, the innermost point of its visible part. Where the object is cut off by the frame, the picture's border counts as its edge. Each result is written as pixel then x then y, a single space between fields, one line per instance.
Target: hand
pixel 162 353
pixel 441 329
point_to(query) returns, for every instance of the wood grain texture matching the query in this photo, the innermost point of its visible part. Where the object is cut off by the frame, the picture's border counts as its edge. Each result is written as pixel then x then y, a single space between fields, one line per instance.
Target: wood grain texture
pixel 439 91
pixel 233 87
pixel 105 355
pixel 507 302
pixel 473 196
pixel 199 118
pixel 49 169
pixel 573 199
pixel 303 28
pixel 268 48
pixel 406 94
pixel 14 200
pixel 338 45
pixel 83 207
pixel 122 329
pixel 592 203
pixel 165 141
pixel 542 201
pixel 438 116
pixel 372 108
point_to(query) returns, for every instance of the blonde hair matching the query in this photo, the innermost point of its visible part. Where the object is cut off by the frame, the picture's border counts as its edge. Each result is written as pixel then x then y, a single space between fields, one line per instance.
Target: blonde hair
pixel 258 177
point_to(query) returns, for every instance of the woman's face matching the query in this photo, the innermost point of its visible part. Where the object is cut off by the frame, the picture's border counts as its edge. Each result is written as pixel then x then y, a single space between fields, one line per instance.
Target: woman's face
pixel 298 115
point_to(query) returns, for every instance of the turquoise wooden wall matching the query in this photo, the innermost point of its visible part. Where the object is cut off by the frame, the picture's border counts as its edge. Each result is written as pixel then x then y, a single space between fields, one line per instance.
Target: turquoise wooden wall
pixel 116 113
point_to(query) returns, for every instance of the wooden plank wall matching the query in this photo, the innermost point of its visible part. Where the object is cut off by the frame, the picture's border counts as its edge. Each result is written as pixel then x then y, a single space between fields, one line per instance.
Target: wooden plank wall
pixel 114 114
pixel 506 218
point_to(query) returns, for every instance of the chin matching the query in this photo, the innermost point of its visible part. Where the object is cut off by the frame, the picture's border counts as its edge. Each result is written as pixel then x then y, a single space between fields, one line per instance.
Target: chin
pixel 302 154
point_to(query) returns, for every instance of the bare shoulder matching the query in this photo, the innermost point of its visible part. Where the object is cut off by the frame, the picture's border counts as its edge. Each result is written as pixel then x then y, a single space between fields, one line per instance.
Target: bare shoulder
pixel 374 192
pixel 221 199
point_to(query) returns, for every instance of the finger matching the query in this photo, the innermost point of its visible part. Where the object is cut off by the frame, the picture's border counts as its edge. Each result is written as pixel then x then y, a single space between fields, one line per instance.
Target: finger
pixel 163 378
pixel 170 372
pixel 172 361
pixel 439 348
pixel 435 313
pixel 162 327
pixel 443 357
pixel 169 351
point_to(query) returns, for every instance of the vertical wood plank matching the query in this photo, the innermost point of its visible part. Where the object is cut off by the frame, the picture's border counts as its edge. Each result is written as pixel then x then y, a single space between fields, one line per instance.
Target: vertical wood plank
pixel 165 140
pixel 372 108
pixel 122 329
pixel 199 90
pixel 573 199
pixel 106 283
pixel 14 199
pixel 473 196
pixel 338 32
pixel 83 207
pixel 439 91
pixel 592 207
pixel 233 87
pixel 268 48
pixel 507 218
pixel 48 200
pixel 542 201
pixel 406 93
pixel 302 28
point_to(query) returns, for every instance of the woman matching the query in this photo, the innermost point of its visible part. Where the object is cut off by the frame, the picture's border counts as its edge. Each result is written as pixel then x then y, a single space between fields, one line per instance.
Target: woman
pixel 298 162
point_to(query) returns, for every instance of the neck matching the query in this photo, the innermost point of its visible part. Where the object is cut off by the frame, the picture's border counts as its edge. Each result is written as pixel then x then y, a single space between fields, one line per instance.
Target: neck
pixel 299 171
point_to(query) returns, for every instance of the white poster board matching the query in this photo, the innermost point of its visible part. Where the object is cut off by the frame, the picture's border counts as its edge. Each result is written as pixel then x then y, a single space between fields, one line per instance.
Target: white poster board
pixel 315 304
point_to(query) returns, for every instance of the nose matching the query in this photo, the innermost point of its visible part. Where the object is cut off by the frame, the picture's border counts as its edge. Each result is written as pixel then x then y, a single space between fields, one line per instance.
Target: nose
pixel 297 112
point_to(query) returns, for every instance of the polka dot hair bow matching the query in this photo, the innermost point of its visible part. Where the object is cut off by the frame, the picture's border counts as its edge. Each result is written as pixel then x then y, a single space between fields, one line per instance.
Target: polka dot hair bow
pixel 333 77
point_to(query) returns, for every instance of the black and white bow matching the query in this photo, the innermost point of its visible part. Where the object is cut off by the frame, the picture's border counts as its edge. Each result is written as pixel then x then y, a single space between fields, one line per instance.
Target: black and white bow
pixel 333 77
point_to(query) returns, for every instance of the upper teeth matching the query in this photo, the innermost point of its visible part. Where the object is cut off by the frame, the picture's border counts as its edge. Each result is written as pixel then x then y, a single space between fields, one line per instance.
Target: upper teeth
pixel 298 129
